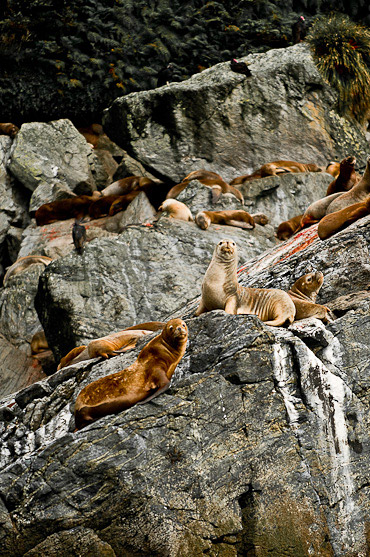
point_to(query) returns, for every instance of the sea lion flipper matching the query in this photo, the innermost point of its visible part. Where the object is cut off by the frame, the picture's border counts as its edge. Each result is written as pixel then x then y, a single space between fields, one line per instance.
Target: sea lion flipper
pixel 231 305
pixel 239 224
pixel 216 193
pixel 201 309
pixel 163 383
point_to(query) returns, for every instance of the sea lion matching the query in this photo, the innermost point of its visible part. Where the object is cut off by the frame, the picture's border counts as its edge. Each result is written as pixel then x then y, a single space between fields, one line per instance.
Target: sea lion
pixel 23 263
pixel 207 178
pixel 101 207
pixel 304 293
pixel 220 290
pixel 289 227
pixel 358 193
pixel 92 133
pixel 334 222
pixel 63 209
pixel 260 218
pixel 122 202
pixel 176 210
pixel 238 218
pixel 317 210
pixel 276 168
pixel 333 168
pixel 127 185
pixel 39 343
pixel 8 129
pixel 347 177
pixel 110 344
pixel 78 236
pixel 143 380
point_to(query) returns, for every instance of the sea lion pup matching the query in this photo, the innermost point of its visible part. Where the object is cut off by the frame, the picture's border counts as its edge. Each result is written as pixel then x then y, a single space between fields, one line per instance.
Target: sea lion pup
pixel 220 290
pixel 289 227
pixel 111 344
pixel 207 178
pixel 276 168
pixel 333 168
pixel 304 293
pixel 334 222
pixel 260 218
pixel 127 185
pixel 176 210
pixel 143 380
pixel 23 263
pixel 39 343
pixel 317 210
pixel 8 129
pixel 358 193
pixel 347 177
pixel 238 218
pixel 63 209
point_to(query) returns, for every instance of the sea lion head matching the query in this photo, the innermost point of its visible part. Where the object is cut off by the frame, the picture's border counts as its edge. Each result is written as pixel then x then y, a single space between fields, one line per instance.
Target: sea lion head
pixel 226 250
pixel 202 220
pixel 175 332
pixel 348 161
pixel 310 284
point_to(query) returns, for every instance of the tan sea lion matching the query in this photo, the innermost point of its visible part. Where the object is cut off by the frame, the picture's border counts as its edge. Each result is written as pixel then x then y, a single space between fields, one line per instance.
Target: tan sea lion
pixel 260 218
pixel 347 177
pixel 176 210
pixel 145 379
pixel 304 293
pixel 276 168
pixel 23 263
pixel 8 129
pixel 333 168
pixel 238 218
pixel 317 210
pixel 39 343
pixel 63 209
pixel 220 290
pixel 289 227
pixel 207 178
pixel 334 222
pixel 358 193
pixel 111 344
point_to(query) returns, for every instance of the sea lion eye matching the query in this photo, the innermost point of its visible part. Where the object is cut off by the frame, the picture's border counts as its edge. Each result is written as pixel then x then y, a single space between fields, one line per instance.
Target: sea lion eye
pixel 171 327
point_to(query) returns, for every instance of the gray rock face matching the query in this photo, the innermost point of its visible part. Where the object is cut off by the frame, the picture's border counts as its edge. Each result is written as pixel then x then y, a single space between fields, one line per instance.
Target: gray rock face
pixel 144 273
pixel 231 124
pixel 52 152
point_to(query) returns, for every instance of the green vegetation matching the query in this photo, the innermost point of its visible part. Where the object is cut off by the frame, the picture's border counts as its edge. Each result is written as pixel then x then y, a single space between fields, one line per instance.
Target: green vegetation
pixel 72 59
pixel 341 49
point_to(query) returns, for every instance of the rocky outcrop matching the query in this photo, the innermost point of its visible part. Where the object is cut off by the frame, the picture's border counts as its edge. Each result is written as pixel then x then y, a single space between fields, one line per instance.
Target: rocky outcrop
pixel 231 124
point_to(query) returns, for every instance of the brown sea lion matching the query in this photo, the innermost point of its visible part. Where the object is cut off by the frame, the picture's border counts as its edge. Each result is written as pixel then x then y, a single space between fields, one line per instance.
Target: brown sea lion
pixel 127 185
pixel 23 263
pixel 238 218
pixel 145 379
pixel 358 193
pixel 8 129
pixel 317 210
pixel 39 343
pixel 289 227
pixel 333 168
pixel 260 218
pixel 304 293
pixel 101 207
pixel 176 210
pixel 63 209
pixel 220 290
pixel 276 168
pixel 110 344
pixel 334 222
pixel 122 202
pixel 347 177
pixel 92 133
pixel 207 178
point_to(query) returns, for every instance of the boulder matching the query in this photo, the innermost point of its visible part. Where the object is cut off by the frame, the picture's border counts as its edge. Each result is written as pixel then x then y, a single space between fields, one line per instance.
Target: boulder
pixel 231 124
pixel 53 152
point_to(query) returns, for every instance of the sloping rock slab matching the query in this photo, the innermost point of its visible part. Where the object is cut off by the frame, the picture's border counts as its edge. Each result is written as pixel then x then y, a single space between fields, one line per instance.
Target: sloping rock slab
pixel 223 121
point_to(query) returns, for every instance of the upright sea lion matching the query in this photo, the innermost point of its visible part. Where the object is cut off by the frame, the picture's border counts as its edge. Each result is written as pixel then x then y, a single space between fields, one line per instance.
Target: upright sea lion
pixel 334 222
pixel 358 193
pixel 8 129
pixel 304 293
pixel 289 227
pixel 238 218
pixel 110 344
pixel 145 379
pixel 220 290
pixel 78 236
pixel 276 168
pixel 207 178
pixel 63 209
pixel 317 210
pixel 23 263
pixel 347 177
pixel 176 210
